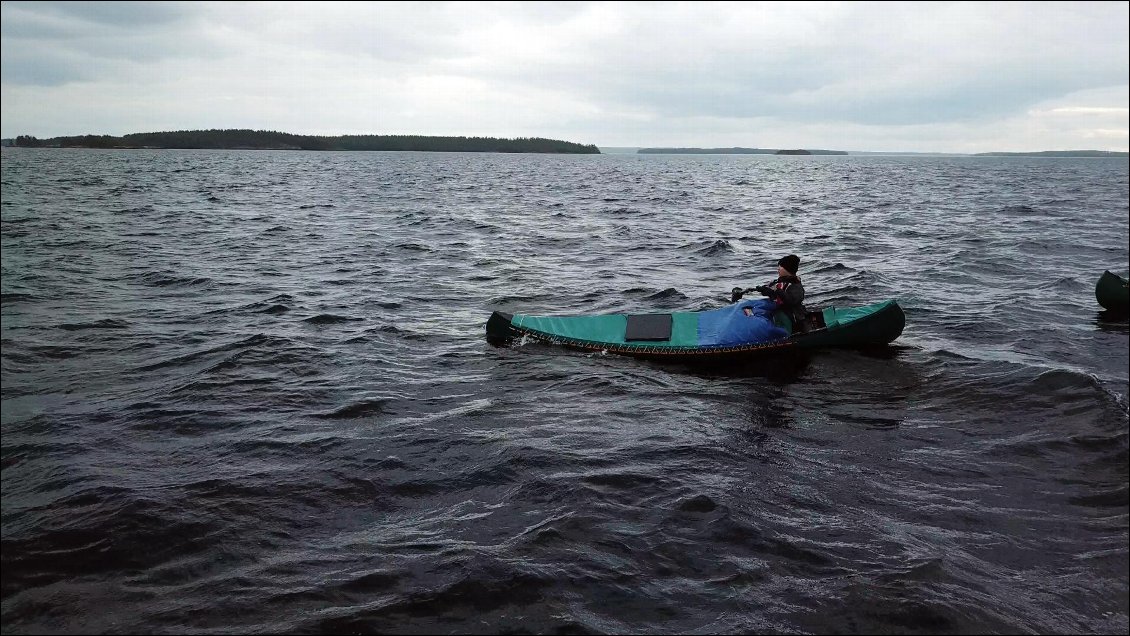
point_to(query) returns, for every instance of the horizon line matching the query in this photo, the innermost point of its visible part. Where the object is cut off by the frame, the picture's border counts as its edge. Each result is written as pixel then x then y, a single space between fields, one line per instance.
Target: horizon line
pixel 914 152
pixel 597 145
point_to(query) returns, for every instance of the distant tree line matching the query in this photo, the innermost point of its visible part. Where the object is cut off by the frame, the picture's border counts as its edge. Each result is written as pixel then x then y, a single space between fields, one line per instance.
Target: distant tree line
pixel 273 140
pixel 735 151
pixel 27 141
pixel 705 151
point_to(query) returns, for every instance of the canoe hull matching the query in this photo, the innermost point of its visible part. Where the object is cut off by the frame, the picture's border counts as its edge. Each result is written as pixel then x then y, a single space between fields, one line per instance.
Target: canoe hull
pixel 871 326
pixel 1112 293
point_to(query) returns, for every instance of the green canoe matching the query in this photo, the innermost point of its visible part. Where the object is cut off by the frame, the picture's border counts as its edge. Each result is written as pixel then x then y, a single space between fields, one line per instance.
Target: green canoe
pixel 1111 292
pixel 675 337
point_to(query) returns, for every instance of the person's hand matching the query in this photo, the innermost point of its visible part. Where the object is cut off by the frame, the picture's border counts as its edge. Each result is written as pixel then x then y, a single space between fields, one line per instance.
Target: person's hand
pixel 763 290
pixel 736 294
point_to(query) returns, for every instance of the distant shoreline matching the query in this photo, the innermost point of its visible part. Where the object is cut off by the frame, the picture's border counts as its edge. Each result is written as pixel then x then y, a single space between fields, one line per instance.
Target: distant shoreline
pixel 242 139
pixel 771 151
pixel 1056 153
pixel 737 151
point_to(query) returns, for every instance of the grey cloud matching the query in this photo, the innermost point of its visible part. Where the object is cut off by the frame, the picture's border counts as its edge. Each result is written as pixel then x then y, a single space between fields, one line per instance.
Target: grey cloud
pixel 111 15
pixel 53 43
pixel 19 66
pixel 850 82
pixel 759 94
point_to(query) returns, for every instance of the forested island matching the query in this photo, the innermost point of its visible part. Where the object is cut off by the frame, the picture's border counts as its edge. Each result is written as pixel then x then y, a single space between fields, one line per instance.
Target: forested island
pixel 272 140
pixel 1056 153
pixel 736 151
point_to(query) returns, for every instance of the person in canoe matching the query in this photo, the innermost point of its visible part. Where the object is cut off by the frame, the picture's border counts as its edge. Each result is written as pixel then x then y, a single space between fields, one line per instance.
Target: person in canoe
pixel 786 292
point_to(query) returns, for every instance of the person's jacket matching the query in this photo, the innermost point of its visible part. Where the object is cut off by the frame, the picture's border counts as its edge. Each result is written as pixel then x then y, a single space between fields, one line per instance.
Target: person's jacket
pixel 788 293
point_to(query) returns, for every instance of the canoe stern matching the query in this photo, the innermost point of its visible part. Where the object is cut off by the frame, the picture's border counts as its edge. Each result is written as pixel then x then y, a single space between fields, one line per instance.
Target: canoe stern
pixel 500 329
pixel 879 325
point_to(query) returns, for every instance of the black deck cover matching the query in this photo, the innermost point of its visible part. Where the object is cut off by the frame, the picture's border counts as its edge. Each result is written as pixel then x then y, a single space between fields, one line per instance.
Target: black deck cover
pixel 648 327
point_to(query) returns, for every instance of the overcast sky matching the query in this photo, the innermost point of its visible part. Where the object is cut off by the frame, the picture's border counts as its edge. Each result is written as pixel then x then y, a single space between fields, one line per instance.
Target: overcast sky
pixel 917 76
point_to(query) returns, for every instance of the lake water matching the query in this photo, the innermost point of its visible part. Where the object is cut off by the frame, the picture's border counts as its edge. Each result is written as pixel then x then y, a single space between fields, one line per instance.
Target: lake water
pixel 250 392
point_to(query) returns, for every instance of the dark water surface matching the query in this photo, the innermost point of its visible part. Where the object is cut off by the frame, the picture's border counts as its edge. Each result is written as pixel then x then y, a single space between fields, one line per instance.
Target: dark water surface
pixel 250 392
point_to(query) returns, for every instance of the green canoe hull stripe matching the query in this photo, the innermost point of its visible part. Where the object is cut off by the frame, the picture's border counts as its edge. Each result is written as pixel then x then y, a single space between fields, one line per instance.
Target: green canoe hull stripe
pixel 609 328
pixel 875 324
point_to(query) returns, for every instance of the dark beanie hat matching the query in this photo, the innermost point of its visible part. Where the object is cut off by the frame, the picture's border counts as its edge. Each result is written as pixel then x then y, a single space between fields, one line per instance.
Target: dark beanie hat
pixel 791 263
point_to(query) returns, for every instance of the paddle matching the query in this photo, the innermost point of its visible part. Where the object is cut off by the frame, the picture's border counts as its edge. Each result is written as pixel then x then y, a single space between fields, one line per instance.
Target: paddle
pixel 737 292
